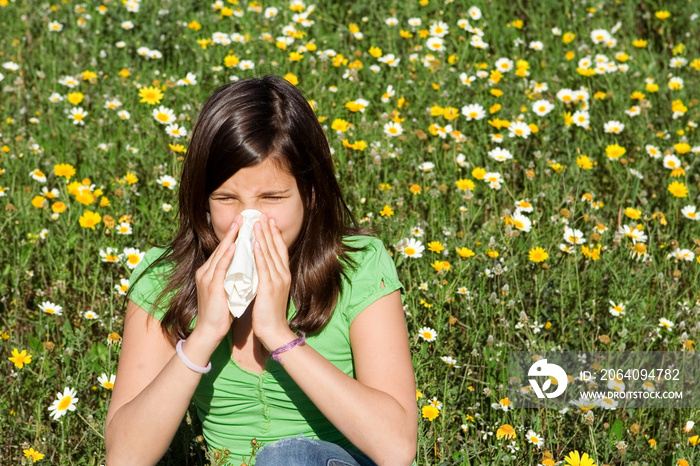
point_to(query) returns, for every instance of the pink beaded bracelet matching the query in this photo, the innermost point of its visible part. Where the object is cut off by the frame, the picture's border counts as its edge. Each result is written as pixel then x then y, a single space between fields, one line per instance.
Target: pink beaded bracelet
pixel 299 341
pixel 188 363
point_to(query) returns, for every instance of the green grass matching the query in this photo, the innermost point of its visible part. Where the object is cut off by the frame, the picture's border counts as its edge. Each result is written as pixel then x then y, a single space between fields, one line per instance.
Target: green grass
pixel 569 294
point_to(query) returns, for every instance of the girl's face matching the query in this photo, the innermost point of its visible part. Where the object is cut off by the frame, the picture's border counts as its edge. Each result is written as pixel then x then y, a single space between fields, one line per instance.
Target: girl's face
pixel 264 187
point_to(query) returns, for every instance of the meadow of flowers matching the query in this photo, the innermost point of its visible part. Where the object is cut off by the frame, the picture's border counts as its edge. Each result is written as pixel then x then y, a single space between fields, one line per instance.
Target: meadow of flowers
pixel 531 166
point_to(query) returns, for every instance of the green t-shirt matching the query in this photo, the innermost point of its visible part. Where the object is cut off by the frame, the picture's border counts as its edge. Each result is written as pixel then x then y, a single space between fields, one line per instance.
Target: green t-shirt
pixel 236 405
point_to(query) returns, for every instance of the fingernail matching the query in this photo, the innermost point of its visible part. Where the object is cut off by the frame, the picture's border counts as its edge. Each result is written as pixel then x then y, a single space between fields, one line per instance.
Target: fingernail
pixel 257 225
pixel 272 222
pixel 233 245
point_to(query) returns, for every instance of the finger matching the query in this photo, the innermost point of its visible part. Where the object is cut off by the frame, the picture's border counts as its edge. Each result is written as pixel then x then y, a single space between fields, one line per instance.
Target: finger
pixel 223 247
pixel 261 262
pixel 222 266
pixel 271 251
pixel 263 245
pixel 282 247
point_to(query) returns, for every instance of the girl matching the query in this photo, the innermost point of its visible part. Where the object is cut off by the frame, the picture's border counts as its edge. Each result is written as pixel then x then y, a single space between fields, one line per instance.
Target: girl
pixel 318 368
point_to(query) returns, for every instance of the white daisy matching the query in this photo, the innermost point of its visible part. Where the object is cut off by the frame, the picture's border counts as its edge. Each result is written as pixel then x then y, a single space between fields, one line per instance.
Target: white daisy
pixel 51 308
pixel 63 403
pixel 427 333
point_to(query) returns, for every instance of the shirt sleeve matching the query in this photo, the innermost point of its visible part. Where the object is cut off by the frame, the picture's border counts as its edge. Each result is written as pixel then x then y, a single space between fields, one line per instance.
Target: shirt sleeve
pixel 374 278
pixel 148 282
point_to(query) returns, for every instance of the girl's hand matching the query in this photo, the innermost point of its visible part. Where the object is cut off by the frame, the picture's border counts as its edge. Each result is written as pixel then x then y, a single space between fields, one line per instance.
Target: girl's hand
pixel 213 315
pixel 274 279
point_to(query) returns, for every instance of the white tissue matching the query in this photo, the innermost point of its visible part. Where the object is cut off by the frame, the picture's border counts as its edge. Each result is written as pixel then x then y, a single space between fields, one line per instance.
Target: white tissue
pixel 241 281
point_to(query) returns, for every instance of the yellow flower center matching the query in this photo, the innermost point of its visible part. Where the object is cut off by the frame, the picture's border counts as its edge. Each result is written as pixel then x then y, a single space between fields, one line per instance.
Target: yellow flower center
pixel 65 403
pixel 409 251
pixel 162 117
pixel 133 259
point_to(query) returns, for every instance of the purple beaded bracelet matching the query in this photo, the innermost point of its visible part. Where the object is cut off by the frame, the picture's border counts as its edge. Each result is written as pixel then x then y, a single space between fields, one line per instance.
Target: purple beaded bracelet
pixel 299 341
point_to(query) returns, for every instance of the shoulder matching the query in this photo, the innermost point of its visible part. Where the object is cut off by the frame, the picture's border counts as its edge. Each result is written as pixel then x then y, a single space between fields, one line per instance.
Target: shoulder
pixel 148 279
pixel 144 266
pixel 371 275
pixel 364 246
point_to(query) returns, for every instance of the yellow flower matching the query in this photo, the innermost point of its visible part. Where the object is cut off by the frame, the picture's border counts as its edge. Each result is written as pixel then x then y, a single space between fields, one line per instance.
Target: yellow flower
pixel 64 169
pixel 340 125
pixel 450 113
pixel 131 178
pixel 376 52
pixel 591 253
pixel 151 95
pixel 574 459
pixel 58 207
pixel 231 60
pixel 435 246
pixel 505 431
pixel 88 75
pixel 386 211
pixel 584 162
pixel 518 24
pixel 464 184
pixel 415 189
pixel 465 252
pixel 615 151
pixel 124 73
pixel 84 196
pixel 75 97
pixel 39 202
pixel 538 254
pixel 492 254
pixel 682 462
pixel 419 395
pixel 441 265
pixel 682 147
pixel 33 455
pixel 20 359
pixel 478 173
pixel 634 214
pixel 652 443
pixel 89 219
pixel 639 43
pixel 177 147
pixel 568 37
pixel 663 14
pixel 194 25
pixel 678 189
pixel 694 440
pixel 291 77
pixel 430 412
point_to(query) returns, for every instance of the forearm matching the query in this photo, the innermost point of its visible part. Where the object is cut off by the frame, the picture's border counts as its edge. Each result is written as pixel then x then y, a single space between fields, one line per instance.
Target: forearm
pixel 371 419
pixel 141 431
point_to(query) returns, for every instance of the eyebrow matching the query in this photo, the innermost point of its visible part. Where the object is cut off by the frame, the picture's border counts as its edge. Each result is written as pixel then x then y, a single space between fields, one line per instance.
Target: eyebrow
pixel 262 194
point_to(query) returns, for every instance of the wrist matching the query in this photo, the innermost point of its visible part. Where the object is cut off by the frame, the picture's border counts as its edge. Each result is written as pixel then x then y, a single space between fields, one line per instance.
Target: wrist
pixel 199 347
pixel 274 340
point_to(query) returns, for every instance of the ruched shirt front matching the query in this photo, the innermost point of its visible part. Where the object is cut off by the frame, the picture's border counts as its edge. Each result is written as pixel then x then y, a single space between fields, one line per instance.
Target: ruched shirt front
pixel 236 405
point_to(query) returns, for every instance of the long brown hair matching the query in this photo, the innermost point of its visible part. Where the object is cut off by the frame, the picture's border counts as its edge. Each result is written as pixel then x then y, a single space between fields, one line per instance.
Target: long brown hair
pixel 241 125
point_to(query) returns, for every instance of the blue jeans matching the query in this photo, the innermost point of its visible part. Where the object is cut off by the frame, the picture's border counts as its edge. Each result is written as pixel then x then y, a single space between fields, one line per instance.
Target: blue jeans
pixel 303 451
